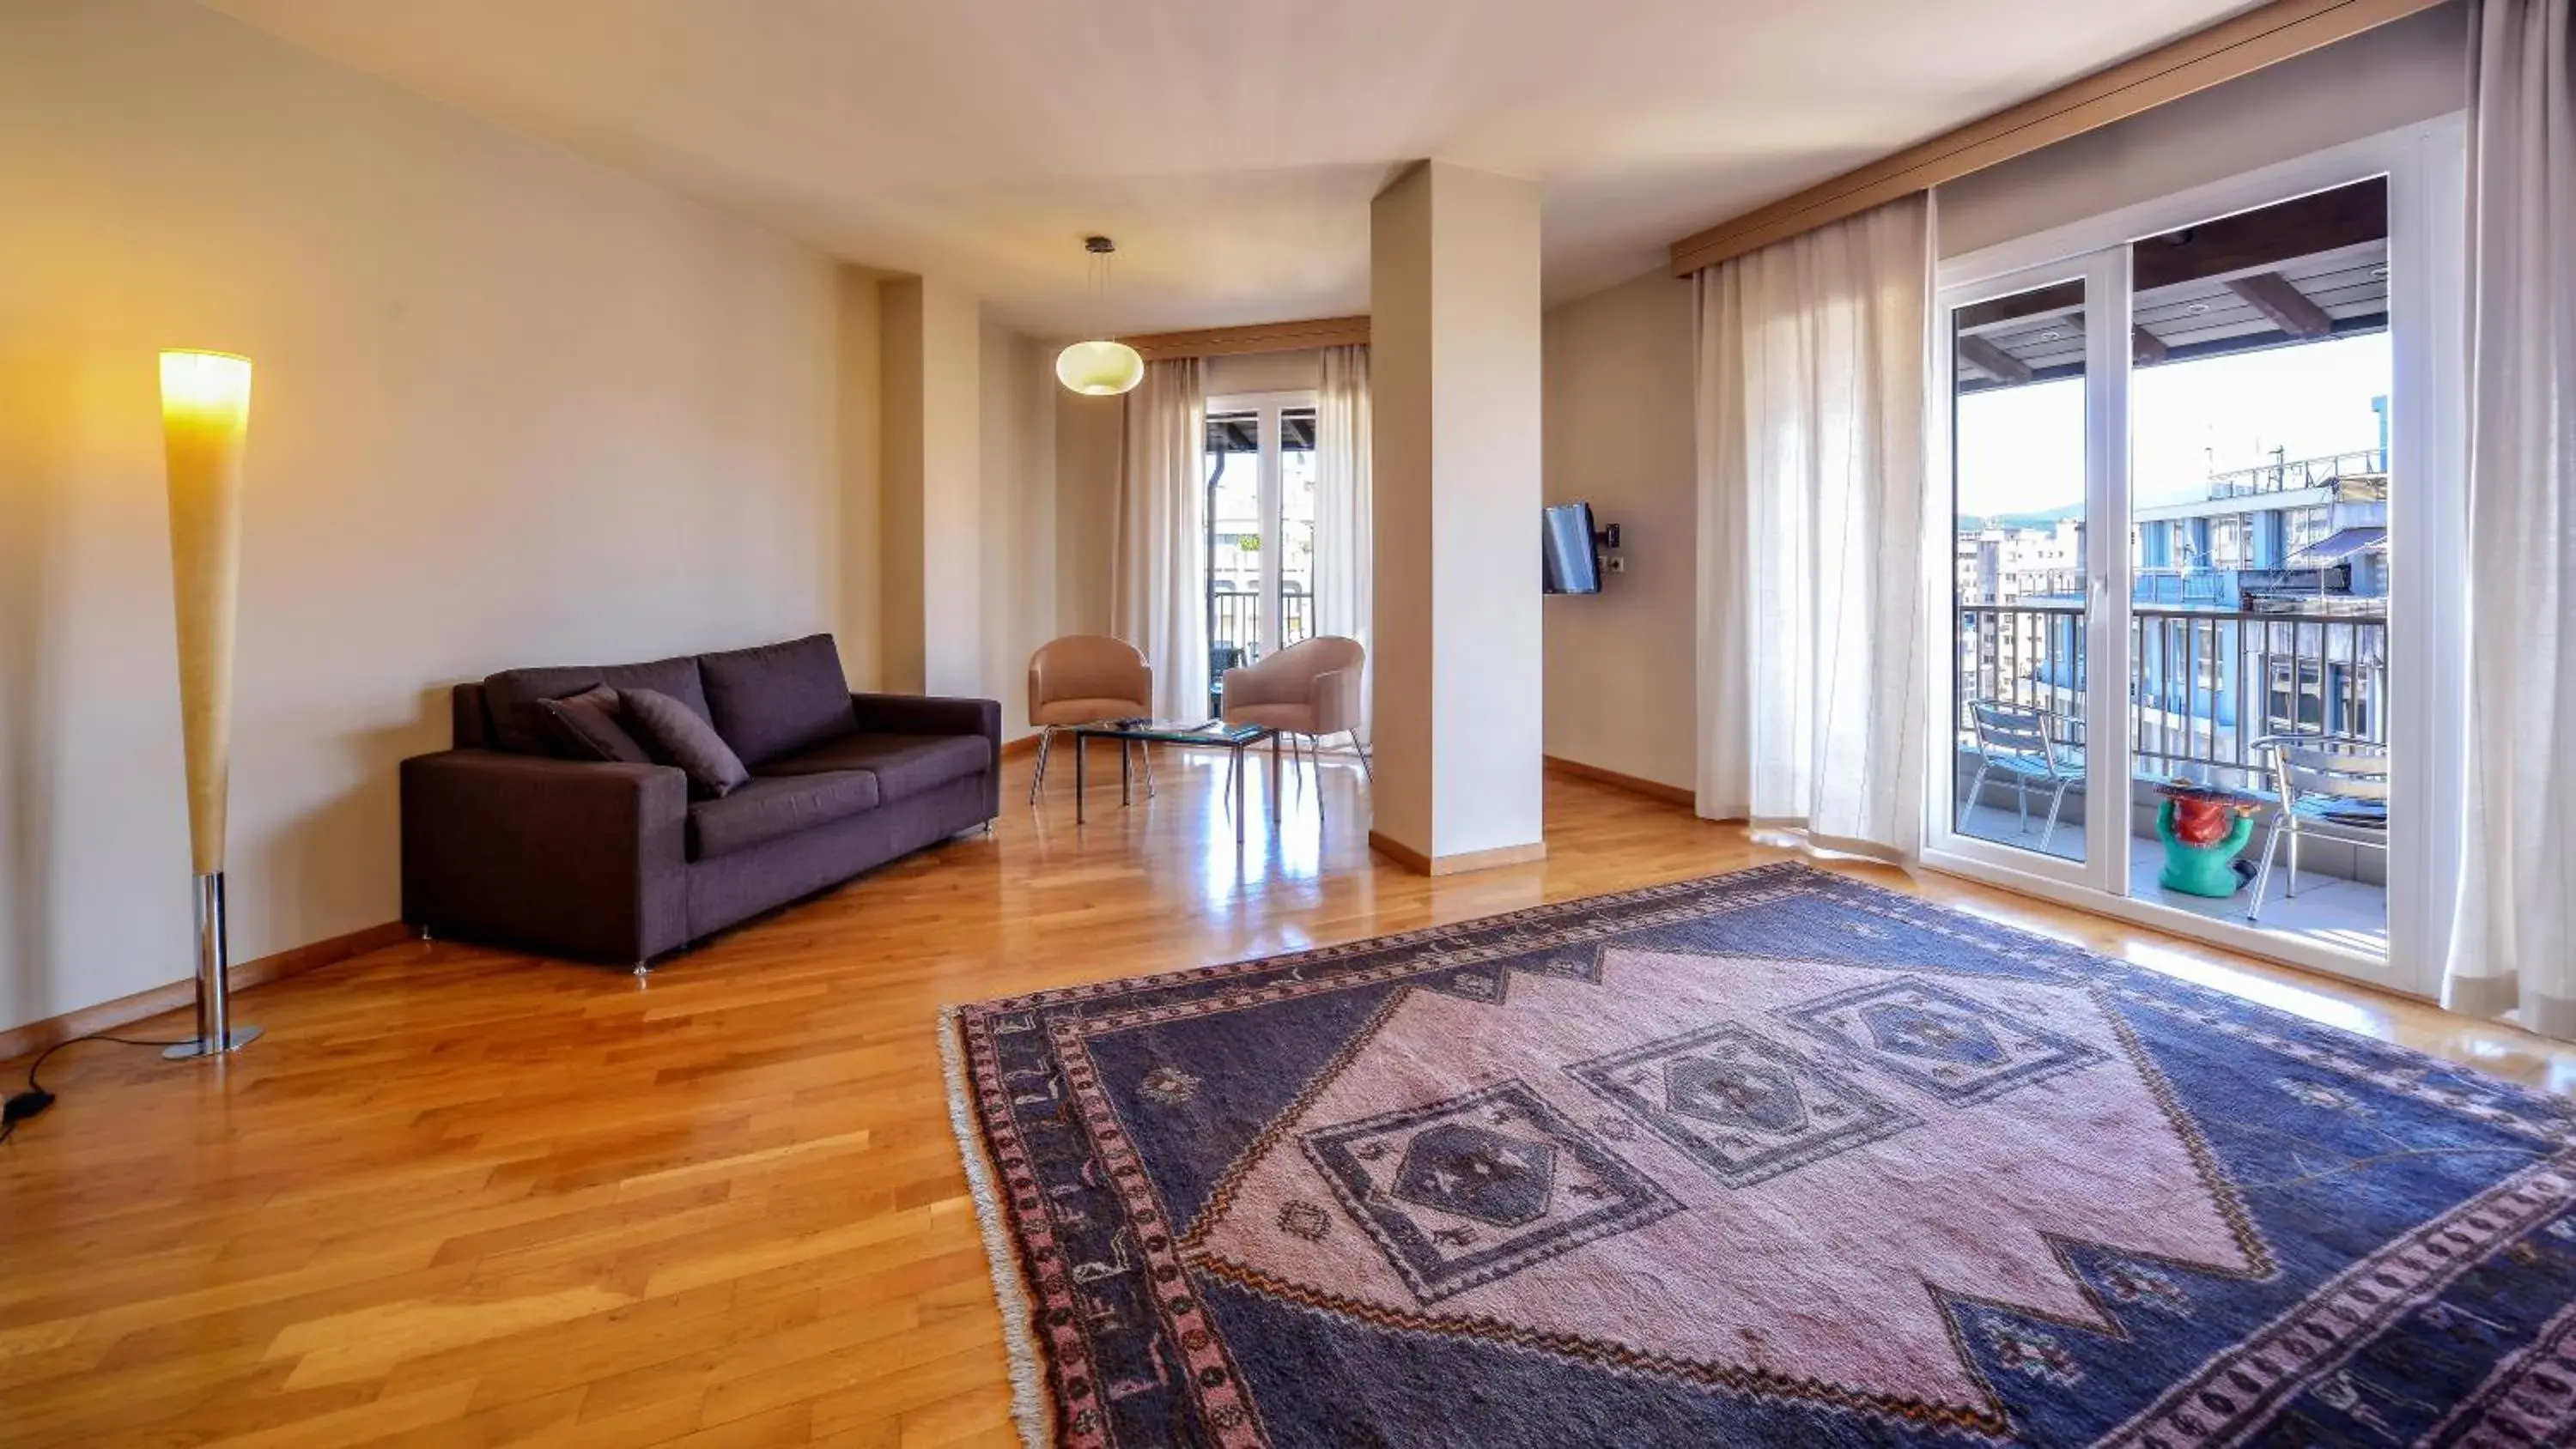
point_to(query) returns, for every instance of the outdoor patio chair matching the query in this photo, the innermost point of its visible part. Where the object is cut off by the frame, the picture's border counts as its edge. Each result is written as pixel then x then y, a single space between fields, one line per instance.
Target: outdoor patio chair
pixel 2017 742
pixel 2334 787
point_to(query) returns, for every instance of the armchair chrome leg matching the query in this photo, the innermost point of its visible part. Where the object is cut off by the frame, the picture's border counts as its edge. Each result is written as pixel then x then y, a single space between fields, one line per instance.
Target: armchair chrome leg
pixel 1046 746
pixel 1146 749
pixel 1360 748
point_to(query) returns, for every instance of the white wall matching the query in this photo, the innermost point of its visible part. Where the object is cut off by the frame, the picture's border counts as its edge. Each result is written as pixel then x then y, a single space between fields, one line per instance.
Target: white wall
pixel 2379 80
pixel 1622 664
pixel 510 408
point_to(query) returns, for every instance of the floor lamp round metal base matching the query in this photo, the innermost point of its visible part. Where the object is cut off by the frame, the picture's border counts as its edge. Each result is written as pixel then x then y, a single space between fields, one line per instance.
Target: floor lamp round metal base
pixel 234 1040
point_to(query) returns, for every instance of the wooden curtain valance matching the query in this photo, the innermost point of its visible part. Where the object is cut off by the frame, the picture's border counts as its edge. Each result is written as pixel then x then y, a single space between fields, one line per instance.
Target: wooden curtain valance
pixel 1257 337
pixel 2239 46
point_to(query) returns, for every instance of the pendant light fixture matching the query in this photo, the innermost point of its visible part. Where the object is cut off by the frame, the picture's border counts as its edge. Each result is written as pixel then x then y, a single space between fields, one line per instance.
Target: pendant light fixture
pixel 1102 367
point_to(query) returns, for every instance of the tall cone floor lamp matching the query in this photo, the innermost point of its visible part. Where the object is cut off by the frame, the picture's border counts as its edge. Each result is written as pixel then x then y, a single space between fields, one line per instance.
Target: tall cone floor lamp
pixel 205 417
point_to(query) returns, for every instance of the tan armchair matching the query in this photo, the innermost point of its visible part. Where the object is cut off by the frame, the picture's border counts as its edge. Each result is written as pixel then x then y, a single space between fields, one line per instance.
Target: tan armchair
pixel 1311 689
pixel 1084 679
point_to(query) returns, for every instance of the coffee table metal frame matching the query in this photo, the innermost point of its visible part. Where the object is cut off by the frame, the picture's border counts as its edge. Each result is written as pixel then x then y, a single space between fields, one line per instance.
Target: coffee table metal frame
pixel 1233 739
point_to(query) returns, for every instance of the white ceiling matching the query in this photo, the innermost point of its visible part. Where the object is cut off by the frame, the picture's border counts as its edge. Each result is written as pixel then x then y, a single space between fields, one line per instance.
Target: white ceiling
pixel 1231 146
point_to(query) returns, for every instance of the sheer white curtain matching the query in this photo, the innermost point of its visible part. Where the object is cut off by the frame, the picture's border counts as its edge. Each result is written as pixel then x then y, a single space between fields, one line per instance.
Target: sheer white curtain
pixel 1158 594
pixel 1813 363
pixel 2514 943
pixel 1343 564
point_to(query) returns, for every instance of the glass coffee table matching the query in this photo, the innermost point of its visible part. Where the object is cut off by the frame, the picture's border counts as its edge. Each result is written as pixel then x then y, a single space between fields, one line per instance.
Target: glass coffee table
pixel 1234 739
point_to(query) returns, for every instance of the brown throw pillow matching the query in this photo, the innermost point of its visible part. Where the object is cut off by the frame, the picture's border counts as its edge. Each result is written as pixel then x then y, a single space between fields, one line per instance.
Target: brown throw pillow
pixel 585 727
pixel 675 735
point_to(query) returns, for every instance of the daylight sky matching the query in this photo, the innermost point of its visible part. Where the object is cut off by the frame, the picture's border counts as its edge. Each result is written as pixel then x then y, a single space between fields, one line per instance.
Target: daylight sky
pixel 2021 449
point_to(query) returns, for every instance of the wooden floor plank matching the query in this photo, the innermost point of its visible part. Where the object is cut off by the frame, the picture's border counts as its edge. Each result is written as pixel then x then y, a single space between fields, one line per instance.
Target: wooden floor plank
pixel 467 1196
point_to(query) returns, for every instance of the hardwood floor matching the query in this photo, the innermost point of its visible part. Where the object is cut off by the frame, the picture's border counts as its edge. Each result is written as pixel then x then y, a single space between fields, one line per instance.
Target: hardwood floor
pixel 461 1196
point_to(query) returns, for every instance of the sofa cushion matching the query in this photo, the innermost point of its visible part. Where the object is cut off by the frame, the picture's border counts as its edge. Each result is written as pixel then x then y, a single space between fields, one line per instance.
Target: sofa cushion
pixel 903 765
pixel 519 723
pixel 585 727
pixel 779 698
pixel 766 809
pixel 677 736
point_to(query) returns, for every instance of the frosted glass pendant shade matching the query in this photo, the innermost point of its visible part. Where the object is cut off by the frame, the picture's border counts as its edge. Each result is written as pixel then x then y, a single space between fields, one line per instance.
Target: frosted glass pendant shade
pixel 1099 369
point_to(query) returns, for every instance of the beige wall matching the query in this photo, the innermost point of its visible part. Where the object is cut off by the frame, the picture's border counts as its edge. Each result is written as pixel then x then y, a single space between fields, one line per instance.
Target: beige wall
pixel 2409 71
pixel 931 481
pixel 859 618
pixel 1019 514
pixel 1089 439
pixel 510 408
pixel 1622 664
pixel 1302 370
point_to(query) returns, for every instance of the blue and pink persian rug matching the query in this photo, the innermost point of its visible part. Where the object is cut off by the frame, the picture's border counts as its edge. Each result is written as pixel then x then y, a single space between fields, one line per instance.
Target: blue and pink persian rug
pixel 1775 1158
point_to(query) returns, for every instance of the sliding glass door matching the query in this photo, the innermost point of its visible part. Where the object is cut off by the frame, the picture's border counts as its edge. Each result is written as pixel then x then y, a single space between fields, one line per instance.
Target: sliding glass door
pixel 2032 412
pixel 2191 536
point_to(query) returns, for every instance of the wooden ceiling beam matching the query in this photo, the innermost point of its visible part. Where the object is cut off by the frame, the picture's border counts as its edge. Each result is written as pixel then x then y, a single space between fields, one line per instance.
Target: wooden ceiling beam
pixel 2279 299
pixel 1993 361
pixel 2239 45
pixel 1255 337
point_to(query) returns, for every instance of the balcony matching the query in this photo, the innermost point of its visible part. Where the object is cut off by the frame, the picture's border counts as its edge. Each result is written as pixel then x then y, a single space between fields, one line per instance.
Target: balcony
pixel 1234 627
pixel 2203 685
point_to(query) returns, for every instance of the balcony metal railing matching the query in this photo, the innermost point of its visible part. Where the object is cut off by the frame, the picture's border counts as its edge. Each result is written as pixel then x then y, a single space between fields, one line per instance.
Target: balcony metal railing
pixel 1234 619
pixel 2298 473
pixel 2203 684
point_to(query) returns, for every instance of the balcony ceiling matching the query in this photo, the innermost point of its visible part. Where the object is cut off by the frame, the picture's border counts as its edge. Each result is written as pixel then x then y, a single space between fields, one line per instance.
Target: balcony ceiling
pixel 2302 271
pixel 1230 148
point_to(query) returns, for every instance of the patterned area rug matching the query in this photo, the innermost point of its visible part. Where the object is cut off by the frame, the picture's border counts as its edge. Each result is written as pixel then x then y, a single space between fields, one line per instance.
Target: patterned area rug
pixel 1772 1158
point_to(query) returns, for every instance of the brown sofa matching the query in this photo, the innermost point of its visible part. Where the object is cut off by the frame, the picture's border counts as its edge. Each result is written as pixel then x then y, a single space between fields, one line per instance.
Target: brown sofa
pixel 504 840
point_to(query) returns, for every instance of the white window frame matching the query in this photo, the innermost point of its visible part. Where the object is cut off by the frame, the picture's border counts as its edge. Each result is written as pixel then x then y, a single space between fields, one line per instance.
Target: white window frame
pixel 2426 167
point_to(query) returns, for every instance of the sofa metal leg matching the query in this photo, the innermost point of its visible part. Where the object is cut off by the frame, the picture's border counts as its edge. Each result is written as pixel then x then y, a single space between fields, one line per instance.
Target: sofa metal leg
pixel 643 969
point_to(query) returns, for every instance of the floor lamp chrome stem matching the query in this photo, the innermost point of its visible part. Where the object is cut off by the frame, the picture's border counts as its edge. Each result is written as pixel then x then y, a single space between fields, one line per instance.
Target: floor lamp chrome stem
pixel 215 1032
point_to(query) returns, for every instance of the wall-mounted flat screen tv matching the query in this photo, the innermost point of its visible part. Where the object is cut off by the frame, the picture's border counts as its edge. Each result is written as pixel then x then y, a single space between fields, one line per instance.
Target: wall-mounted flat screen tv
pixel 1571 558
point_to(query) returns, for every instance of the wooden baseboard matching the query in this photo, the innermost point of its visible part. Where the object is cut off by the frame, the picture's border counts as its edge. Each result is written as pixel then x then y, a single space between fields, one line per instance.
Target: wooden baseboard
pixel 1459 864
pixel 1651 789
pixel 35 1036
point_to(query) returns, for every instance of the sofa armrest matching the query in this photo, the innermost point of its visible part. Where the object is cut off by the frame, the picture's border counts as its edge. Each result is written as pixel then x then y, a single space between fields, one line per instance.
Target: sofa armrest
pixel 925 714
pixel 928 714
pixel 573 858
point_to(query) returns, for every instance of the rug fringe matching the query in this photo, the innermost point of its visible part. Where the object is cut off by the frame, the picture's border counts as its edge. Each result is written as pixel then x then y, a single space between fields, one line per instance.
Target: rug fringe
pixel 1019 1341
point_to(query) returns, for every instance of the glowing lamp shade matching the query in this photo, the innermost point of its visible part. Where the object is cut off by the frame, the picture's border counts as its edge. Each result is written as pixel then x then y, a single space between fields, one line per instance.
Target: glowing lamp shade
pixel 205 419
pixel 1099 369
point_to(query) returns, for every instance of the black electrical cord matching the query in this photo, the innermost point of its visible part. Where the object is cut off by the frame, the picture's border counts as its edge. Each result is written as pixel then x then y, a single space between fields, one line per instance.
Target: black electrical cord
pixel 35 1099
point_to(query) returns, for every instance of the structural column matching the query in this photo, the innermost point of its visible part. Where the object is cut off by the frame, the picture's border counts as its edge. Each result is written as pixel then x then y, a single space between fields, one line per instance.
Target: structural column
pixel 1454 372
pixel 931 477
